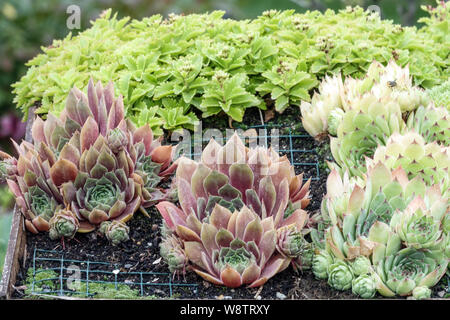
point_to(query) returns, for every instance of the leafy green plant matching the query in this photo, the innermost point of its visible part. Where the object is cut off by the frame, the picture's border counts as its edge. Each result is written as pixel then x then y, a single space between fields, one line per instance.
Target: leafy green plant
pixel 177 58
pixel 441 94
pixel 287 84
pixel 228 94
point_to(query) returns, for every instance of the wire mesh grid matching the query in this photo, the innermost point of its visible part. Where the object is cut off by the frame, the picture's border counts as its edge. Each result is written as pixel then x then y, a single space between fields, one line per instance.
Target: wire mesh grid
pixel 292 144
pixel 54 274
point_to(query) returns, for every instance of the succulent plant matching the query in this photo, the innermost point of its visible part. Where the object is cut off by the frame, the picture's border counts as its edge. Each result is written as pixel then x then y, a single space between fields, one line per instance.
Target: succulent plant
pixel 292 244
pixel 321 261
pixel 428 160
pixel 340 275
pixel 36 195
pixel 232 249
pixel 105 187
pixel 361 265
pixel 153 163
pixel 8 167
pixel 256 187
pixel 316 115
pixel 64 223
pixel 234 176
pixel 364 286
pixel 172 251
pixel 334 120
pixel 401 271
pixel 365 220
pixel 440 95
pixel 115 231
pixel 368 123
pixel 396 82
pixel 420 224
pixel 433 123
pixel 420 293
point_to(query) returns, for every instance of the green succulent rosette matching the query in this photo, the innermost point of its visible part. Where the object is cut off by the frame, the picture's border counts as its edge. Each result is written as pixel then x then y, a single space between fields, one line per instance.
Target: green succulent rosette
pixel 321 261
pixel 399 272
pixel 340 275
pixel 361 265
pixel 172 251
pixel 420 293
pixel 63 224
pixel 432 123
pixel 115 231
pixel 364 286
pixel 420 224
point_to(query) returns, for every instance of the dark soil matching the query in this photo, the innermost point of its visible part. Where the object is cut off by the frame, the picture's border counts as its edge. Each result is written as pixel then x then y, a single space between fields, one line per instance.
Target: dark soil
pixel 141 253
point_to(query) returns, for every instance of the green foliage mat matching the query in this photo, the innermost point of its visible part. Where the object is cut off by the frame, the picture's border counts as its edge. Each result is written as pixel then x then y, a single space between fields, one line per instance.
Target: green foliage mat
pixel 164 67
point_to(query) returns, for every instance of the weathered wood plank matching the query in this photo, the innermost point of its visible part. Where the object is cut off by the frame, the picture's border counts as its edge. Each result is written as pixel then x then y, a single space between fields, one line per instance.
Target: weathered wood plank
pixel 17 239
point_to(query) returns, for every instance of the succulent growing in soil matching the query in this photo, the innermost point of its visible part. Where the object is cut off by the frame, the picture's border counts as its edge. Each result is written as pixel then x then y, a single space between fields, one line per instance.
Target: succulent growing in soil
pixel 396 82
pixel 361 265
pixel 100 114
pixel 340 275
pixel 410 151
pixel 315 115
pixel 234 176
pixel 105 187
pixel 253 184
pixel 115 231
pixel 172 251
pixel 64 223
pixel 401 271
pixel 368 123
pixel 36 195
pixel 8 167
pixel 292 244
pixel 420 224
pixel 321 261
pixel 433 123
pixel 422 292
pixel 231 249
pixel 364 286
pixel 369 212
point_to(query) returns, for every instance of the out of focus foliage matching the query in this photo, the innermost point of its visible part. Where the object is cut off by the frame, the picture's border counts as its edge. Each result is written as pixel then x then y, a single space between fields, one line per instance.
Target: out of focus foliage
pixel 5 228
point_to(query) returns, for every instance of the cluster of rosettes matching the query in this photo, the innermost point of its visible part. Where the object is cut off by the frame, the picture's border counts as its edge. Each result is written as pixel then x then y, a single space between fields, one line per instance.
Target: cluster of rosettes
pixel 240 218
pixel 386 233
pixel 361 114
pixel 88 168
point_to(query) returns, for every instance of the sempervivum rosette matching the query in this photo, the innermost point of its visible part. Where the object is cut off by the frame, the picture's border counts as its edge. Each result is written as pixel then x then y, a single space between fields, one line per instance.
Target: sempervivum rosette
pixel 36 194
pixel 366 217
pixel 64 137
pixel 235 249
pixel 368 123
pixel 420 224
pixel 256 185
pixel 8 167
pixel 433 123
pixel 63 224
pixel 153 162
pixel 316 115
pixel 105 186
pixel 430 161
pixel 400 271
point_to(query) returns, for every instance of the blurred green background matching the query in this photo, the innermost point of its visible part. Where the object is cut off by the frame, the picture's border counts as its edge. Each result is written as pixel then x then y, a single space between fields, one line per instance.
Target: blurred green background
pixel 26 25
